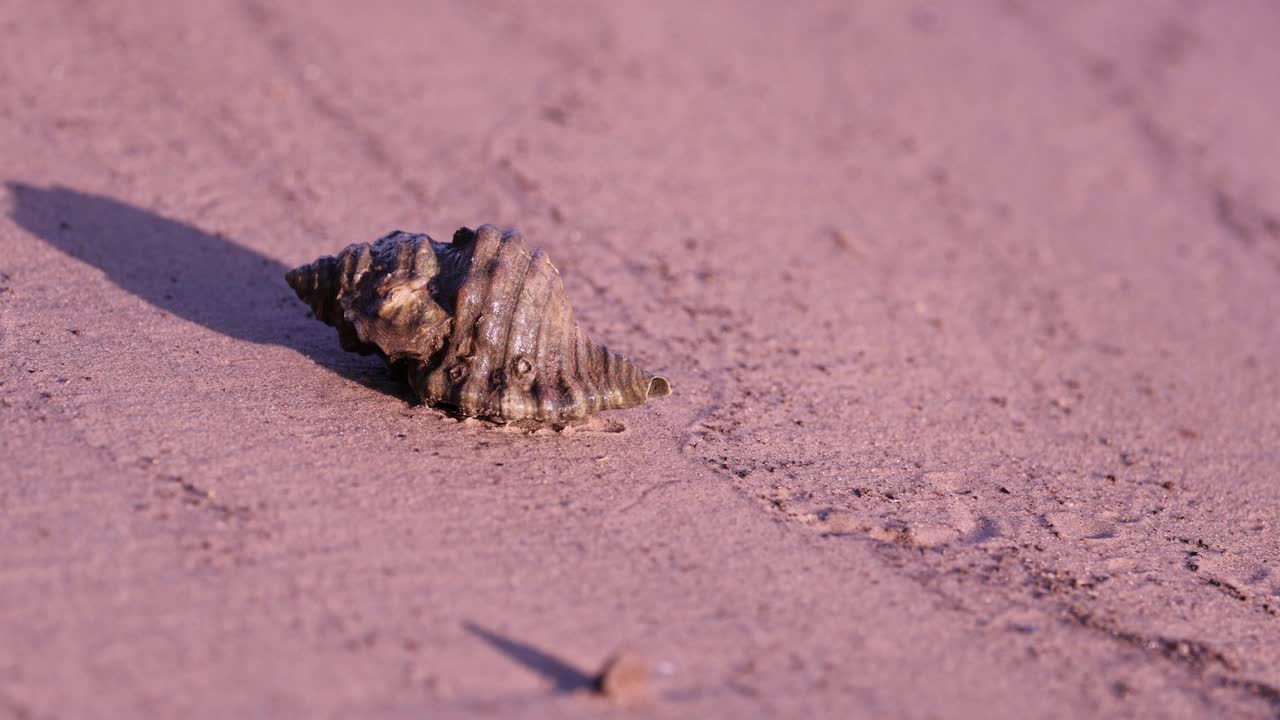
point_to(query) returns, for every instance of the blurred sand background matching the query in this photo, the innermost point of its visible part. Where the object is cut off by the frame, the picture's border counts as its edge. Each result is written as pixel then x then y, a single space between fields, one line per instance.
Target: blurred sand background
pixel 972 311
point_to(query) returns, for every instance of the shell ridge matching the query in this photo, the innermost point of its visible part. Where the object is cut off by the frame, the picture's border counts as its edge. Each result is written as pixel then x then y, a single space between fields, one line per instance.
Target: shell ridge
pixel 570 377
pixel 502 273
pixel 512 311
pixel 555 395
pixel 584 370
pixel 528 318
pixel 446 379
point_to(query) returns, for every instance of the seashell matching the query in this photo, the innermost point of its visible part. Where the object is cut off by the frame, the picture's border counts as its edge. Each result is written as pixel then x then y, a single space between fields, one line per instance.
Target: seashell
pixel 481 325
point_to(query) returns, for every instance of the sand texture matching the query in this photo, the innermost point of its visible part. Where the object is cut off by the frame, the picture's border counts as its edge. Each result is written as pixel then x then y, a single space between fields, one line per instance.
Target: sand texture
pixel 972 312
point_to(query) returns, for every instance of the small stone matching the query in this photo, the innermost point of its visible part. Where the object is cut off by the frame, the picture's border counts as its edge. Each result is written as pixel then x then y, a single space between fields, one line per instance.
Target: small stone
pixel 624 680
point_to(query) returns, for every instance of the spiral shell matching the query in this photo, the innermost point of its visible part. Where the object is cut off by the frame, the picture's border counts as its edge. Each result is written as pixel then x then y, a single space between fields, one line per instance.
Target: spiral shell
pixel 480 325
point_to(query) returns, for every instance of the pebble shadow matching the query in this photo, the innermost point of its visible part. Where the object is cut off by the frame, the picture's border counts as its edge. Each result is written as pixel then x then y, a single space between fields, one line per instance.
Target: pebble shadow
pixel 564 677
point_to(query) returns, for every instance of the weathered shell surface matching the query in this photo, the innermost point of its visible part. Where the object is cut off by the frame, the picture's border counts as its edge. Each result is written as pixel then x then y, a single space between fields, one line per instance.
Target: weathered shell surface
pixel 480 325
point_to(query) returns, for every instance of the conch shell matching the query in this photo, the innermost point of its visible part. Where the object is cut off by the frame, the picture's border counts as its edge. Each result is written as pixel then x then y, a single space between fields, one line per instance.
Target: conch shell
pixel 480 325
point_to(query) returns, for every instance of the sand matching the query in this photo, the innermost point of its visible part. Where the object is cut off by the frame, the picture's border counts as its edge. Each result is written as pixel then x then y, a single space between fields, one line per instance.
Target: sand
pixel 972 312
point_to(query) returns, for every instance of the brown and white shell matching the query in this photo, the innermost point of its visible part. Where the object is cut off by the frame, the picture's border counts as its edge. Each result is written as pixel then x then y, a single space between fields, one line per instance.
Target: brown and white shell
pixel 480 325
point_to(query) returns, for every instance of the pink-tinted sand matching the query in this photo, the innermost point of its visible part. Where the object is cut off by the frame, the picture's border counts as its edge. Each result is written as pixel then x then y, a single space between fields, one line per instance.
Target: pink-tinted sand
pixel 972 311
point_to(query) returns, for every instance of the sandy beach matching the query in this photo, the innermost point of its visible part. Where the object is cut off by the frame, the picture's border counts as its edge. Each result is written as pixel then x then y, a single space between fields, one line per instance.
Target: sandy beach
pixel 971 311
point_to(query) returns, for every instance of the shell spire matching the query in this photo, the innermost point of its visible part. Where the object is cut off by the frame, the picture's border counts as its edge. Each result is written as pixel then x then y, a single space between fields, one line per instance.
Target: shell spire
pixel 481 325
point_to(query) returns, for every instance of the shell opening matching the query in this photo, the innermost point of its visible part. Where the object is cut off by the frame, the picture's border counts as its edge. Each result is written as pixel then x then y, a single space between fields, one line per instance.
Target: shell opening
pixel 659 387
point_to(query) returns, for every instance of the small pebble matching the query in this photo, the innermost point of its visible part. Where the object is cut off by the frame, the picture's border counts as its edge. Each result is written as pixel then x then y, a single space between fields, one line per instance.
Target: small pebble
pixel 624 680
